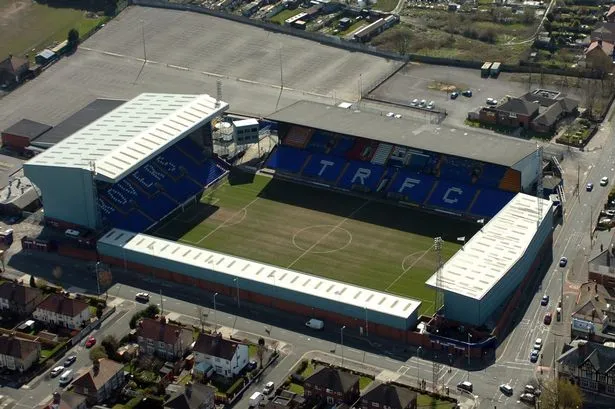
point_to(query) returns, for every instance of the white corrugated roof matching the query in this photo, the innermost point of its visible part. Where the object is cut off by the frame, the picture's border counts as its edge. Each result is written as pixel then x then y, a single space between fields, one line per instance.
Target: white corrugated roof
pixel 264 273
pixel 494 250
pixel 121 140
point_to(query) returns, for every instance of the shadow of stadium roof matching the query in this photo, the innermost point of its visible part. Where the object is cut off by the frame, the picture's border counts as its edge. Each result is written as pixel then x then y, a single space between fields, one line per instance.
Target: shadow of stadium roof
pixel 501 150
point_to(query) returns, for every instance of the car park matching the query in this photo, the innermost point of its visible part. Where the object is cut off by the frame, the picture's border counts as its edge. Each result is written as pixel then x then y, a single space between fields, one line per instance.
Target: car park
pixel 604 181
pixel 56 371
pixel 545 300
pixel 563 262
pixel 467 93
pixel 142 297
pixel 269 387
pixel 538 344
pixel 589 187
pixel 70 360
pixel 506 389
pixel 534 356
pixel 548 318
pixel 454 95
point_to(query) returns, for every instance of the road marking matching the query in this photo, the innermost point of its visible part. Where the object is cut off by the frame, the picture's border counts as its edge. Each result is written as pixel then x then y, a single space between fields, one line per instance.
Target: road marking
pixel 113 54
pixel 403 369
pixel 177 67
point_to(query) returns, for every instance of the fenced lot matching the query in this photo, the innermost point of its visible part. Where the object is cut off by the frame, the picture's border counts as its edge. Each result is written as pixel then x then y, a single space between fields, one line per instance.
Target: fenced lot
pixel 325 233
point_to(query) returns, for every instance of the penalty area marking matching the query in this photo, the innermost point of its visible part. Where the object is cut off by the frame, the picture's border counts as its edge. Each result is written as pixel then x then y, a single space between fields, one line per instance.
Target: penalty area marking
pixel 405 270
pixel 331 228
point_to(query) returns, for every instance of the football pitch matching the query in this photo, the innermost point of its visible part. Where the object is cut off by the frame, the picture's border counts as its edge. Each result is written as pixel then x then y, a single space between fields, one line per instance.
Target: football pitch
pixel 339 236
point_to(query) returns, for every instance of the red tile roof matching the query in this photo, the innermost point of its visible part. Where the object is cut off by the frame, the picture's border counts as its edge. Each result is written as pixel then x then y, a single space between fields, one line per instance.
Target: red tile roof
pixel 96 379
pixel 63 305
pixel 17 347
pixel 156 330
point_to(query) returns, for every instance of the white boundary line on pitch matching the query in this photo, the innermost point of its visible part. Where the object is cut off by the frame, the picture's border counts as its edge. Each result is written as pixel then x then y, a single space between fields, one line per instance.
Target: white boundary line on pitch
pixel 243 209
pixel 404 271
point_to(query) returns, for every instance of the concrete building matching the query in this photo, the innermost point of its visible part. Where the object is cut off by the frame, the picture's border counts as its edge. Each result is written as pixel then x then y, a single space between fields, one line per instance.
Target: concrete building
pixel 17 354
pixel 163 339
pixel 228 358
pixel 490 266
pixel 101 381
pixel 63 311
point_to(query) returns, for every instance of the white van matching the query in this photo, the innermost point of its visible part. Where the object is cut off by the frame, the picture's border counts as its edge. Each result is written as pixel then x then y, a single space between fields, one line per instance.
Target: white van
pixel 72 233
pixel 315 324
pixel 256 399
pixel 66 377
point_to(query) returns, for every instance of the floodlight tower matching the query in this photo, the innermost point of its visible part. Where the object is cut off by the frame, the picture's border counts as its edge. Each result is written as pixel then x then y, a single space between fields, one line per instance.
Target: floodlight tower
pixel 539 186
pixel 437 246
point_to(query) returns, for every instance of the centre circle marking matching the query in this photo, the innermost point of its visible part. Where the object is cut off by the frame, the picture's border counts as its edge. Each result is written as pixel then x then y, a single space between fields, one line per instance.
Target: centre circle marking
pixel 328 229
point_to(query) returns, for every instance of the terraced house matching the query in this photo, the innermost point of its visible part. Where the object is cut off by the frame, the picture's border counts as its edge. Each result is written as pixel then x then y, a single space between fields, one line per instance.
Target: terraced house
pixel 589 365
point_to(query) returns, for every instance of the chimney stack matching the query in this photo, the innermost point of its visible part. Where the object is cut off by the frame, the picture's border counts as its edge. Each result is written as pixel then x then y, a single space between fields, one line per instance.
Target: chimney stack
pixel 189 390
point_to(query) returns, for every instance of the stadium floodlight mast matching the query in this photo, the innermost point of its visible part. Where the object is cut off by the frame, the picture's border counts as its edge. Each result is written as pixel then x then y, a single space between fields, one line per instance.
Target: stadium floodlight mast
pixel 342 343
pixel 215 314
pixel 437 246
pixel 236 280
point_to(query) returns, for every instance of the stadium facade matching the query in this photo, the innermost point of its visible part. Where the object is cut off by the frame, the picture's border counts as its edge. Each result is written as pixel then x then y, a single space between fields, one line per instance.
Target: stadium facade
pixel 144 161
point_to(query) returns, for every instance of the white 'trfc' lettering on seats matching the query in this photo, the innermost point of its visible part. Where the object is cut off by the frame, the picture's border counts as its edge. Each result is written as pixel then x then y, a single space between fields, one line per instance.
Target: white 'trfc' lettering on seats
pixel 117 197
pixel 126 187
pixel 450 190
pixel 361 174
pixel 325 164
pixel 408 183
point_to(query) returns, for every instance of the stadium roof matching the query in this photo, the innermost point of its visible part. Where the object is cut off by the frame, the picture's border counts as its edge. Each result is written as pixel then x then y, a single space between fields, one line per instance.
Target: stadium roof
pixel 501 150
pixel 263 273
pixel 85 116
pixel 123 139
pixel 494 250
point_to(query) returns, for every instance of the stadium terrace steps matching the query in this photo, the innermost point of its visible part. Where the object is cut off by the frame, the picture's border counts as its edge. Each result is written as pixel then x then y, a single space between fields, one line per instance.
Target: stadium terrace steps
pixel 382 154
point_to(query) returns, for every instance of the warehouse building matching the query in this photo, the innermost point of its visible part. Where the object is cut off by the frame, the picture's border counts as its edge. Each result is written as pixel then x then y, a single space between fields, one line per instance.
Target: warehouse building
pixel 488 269
pixel 300 293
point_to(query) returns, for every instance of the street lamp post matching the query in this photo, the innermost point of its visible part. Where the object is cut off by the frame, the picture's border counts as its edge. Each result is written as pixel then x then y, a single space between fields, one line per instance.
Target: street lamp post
pixel 342 342
pixel 469 337
pixel 97 279
pixel 418 365
pixel 215 314
pixel 366 323
pixel 236 280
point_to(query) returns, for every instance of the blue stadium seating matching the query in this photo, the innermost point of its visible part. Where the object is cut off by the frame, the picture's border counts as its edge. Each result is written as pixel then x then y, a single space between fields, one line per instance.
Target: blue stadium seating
pixel 169 164
pixel 325 167
pixel 361 173
pixel 342 146
pixel 144 180
pixel 452 196
pixel 418 161
pixel 492 175
pixel 320 142
pixel 413 186
pixel 208 173
pixel 158 207
pixel 135 222
pixel 190 148
pixel 287 159
pixel 490 202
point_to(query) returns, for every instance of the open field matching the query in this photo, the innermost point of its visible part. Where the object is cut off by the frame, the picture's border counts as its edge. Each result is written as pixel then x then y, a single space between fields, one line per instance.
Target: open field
pixel 243 58
pixel 338 236
pixel 25 26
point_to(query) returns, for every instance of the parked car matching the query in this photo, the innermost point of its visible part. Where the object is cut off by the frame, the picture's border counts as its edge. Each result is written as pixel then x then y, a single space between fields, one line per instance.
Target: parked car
pixel 252 365
pixel 531 389
pixel 589 187
pixel 255 399
pixel 431 105
pixel 66 377
pixel 604 181
pixel 538 344
pixel 414 102
pixel 492 101
pixel 268 389
pixel 548 318
pixel 466 386
pixel 142 297
pixel 454 95
pixel 397 116
pixel 563 262
pixel 422 103
pixel 467 93
pixel 56 371
pixel 545 300
pixel 70 360
pixel 506 389
pixel 534 356
pixel 527 398
pixel 90 342
pixel 390 114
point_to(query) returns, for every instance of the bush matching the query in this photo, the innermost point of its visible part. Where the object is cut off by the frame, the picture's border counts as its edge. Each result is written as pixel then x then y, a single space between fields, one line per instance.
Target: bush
pixel 301 367
pixel 234 387
pixel 297 378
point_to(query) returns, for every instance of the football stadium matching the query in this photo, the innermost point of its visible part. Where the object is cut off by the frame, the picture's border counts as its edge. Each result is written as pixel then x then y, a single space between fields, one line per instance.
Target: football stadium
pixel 347 219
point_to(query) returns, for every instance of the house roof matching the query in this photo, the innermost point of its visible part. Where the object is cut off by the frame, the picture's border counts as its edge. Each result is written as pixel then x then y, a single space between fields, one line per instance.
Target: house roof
pixel 519 106
pixel 17 347
pixel 95 379
pixel 604 31
pixel 605 46
pixel 334 379
pixel 63 305
pixel 68 400
pixel 160 330
pixel 611 11
pixel 601 357
pixel 199 393
pixel 27 129
pixel 12 64
pixel 391 396
pixel 215 345
pixel 18 294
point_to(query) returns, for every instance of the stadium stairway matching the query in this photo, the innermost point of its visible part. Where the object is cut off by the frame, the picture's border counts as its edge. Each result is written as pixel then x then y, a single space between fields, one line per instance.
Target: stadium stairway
pixel 298 137
pixel 433 189
pixel 382 154
pixel 474 199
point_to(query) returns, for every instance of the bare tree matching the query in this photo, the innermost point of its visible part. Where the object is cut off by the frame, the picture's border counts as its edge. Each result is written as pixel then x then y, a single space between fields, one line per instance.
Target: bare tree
pixel 57 274
pixel 561 394
pixel 200 312
pixel 260 351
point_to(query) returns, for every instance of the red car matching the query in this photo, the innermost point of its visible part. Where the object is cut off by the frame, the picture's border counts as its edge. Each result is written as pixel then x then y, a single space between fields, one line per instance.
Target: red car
pixel 548 317
pixel 90 342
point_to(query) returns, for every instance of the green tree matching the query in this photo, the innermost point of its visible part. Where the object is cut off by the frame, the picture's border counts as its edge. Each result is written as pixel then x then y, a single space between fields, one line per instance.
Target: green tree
pixel 260 350
pixel 110 345
pixel 151 311
pixel 32 281
pixel 73 38
pixel 561 394
pixel 98 352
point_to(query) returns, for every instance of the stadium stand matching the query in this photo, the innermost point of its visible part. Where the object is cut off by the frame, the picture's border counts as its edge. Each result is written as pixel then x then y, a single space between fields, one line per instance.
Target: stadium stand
pixel 320 142
pixel 381 156
pixel 287 159
pixel 362 175
pixel 363 149
pixel 325 167
pixel 491 175
pixel 298 137
pixel 452 196
pixel 342 145
pixel 410 186
pixel 418 161
pixel 490 201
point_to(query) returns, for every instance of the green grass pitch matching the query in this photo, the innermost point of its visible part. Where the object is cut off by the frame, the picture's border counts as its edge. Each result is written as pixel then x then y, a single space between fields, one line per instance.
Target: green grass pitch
pixel 339 236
